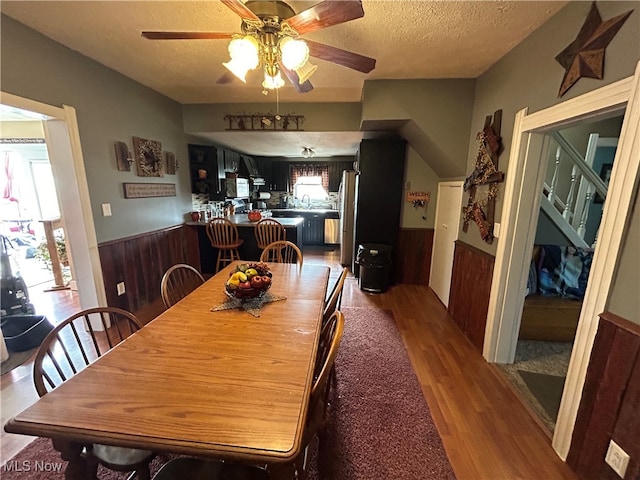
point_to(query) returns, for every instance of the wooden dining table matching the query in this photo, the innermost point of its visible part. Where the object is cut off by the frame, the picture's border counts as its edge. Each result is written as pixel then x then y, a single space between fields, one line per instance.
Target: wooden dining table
pixel 214 384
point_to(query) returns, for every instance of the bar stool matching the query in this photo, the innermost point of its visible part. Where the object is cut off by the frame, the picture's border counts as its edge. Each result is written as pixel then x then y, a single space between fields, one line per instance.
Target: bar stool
pixel 268 231
pixel 223 235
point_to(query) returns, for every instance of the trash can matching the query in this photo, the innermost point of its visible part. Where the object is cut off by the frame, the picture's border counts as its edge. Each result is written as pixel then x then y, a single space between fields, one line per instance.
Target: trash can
pixel 374 260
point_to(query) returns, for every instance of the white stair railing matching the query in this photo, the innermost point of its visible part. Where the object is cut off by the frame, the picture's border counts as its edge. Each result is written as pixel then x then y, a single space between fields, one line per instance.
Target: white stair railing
pixel 571 213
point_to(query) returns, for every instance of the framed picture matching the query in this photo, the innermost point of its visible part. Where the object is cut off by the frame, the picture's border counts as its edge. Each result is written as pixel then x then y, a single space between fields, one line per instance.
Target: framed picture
pixel 605 175
pixel 148 157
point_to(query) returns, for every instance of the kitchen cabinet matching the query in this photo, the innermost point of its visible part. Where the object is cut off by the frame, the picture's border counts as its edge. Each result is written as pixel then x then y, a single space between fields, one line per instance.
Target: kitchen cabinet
pixel 313 229
pixel 229 160
pixel 280 176
pixel 205 157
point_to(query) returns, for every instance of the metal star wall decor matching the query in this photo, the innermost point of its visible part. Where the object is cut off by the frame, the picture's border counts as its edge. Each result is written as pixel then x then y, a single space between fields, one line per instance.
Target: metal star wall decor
pixel 584 57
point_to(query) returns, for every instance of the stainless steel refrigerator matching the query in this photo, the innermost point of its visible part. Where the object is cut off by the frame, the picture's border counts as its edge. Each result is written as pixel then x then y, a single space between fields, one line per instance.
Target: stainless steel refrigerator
pixel 346 195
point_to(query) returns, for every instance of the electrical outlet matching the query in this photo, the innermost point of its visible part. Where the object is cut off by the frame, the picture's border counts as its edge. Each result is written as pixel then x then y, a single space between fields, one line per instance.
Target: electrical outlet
pixel 120 288
pixel 617 458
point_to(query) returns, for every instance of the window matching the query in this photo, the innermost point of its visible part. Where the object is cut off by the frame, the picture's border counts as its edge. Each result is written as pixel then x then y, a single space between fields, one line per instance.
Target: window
pixel 311 186
pixel 316 173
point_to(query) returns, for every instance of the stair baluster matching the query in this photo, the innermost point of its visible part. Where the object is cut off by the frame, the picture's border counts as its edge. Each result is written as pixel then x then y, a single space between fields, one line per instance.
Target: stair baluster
pixel 568 213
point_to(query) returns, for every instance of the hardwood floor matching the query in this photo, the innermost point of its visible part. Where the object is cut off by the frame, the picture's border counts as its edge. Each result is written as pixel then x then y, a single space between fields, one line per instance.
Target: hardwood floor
pixel 487 431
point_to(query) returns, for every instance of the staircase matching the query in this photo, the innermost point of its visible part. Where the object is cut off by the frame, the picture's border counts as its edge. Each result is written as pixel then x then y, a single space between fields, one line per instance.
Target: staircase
pixel 575 179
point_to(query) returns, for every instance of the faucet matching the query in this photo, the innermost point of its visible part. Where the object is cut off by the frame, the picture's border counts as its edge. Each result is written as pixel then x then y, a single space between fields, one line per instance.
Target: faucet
pixel 308 200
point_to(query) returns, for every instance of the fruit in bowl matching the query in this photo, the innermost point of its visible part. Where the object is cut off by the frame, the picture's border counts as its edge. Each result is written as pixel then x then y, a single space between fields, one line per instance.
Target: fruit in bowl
pixel 254 215
pixel 248 280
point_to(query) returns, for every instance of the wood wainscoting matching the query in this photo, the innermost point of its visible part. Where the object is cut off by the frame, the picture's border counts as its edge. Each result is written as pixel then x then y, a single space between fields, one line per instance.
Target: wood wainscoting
pixel 414 256
pixel 140 262
pixel 470 288
pixel 610 401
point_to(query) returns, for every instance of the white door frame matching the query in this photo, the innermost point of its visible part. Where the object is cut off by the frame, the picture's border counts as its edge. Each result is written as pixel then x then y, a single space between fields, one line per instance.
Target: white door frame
pixel 439 206
pixel 521 196
pixel 67 164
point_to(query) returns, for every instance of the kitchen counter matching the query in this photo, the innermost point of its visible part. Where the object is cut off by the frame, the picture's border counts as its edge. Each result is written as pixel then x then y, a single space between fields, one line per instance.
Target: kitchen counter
pixel 322 211
pixel 249 249
pixel 241 220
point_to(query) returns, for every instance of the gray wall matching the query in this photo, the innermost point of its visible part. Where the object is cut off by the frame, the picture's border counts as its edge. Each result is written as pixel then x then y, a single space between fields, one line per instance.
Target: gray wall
pixel 110 108
pixel 529 76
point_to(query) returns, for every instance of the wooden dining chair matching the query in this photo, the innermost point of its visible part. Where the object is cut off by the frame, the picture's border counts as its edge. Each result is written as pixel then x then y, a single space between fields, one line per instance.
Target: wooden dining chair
pixel 330 338
pixel 178 282
pixel 268 231
pixel 223 235
pixel 335 297
pixel 187 468
pixel 282 251
pixel 70 347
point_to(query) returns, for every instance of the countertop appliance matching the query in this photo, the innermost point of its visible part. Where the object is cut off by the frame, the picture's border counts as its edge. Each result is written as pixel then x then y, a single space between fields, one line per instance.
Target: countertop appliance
pixel 346 199
pixel 237 188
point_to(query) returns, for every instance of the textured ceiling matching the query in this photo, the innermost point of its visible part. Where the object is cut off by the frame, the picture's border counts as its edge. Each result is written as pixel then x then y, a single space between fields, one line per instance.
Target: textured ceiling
pixel 412 39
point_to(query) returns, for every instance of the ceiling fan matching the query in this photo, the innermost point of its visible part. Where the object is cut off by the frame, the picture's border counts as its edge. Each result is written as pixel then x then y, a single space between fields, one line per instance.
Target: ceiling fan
pixel 269 39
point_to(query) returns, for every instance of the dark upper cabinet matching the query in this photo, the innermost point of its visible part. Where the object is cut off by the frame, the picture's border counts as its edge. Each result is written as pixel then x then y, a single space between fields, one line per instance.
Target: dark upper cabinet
pixel 335 173
pixel 229 160
pixel 204 170
pixel 280 176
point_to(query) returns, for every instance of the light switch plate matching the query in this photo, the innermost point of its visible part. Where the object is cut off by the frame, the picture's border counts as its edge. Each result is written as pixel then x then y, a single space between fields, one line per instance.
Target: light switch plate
pixel 496 230
pixel 106 209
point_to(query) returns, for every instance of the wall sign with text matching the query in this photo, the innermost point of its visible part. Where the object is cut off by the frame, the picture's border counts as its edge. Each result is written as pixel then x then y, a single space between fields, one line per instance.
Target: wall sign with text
pixel 145 190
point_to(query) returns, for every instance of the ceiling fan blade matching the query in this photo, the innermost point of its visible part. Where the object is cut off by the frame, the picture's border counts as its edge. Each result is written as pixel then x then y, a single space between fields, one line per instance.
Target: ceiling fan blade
pixel 293 78
pixel 325 14
pixel 347 59
pixel 226 78
pixel 240 9
pixel 187 35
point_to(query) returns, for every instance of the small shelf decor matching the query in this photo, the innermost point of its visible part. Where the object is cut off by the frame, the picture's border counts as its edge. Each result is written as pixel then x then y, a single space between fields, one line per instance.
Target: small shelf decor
pixel 264 121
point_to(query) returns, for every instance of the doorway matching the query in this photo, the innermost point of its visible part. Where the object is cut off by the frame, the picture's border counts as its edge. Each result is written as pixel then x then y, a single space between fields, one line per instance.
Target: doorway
pixel 522 202
pixel 62 140
pixel 29 197
pixel 447 228
pixel 560 260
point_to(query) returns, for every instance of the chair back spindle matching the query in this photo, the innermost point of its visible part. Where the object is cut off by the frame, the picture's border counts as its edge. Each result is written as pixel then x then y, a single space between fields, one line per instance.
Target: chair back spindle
pixel 178 282
pixel 282 251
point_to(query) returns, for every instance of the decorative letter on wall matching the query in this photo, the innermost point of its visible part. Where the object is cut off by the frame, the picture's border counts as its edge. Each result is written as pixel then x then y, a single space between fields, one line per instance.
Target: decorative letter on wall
pixel 148 156
pixel 484 179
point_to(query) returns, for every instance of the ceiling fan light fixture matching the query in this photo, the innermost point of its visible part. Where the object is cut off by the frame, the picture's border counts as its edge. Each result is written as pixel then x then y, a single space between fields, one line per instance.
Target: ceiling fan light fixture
pixel 244 53
pixel 238 68
pixel 295 53
pixel 273 82
pixel 308 152
pixel 305 71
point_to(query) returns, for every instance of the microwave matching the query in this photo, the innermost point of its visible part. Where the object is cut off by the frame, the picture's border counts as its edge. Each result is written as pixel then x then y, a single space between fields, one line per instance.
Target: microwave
pixel 237 187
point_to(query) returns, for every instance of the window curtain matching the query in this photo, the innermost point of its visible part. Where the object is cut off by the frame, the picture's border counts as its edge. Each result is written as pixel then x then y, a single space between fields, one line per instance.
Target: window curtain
pixel 298 170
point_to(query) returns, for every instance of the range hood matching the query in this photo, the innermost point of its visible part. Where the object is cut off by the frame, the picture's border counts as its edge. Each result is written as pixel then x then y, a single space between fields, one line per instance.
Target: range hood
pixel 254 174
pixel 250 163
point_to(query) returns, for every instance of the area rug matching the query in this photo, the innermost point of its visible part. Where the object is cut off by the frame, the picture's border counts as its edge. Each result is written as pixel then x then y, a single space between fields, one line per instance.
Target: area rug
pixel 379 424
pixel 16 359
pixel 547 390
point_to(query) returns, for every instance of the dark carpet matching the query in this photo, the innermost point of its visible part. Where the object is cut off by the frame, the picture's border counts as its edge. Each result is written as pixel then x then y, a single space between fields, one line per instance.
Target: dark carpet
pixel 547 390
pixel 379 428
